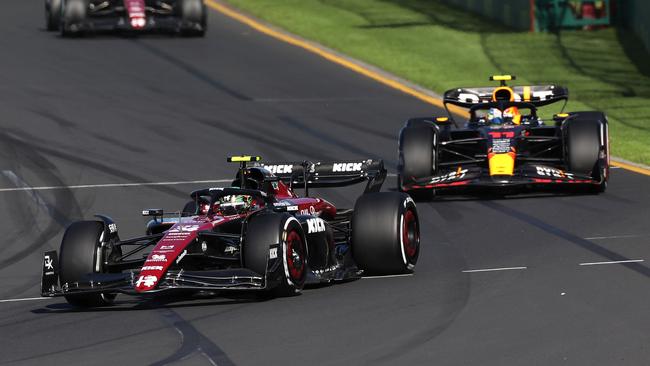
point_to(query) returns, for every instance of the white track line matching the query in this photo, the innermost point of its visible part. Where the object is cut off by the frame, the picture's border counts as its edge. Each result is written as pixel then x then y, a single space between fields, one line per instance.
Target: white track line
pixel 118 185
pixel 389 276
pixel 493 269
pixel 26 299
pixel 112 185
pixel 612 262
pixel 613 237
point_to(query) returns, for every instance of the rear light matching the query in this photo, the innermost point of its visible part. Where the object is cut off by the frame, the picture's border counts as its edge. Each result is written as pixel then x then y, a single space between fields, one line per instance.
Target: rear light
pixel 138 22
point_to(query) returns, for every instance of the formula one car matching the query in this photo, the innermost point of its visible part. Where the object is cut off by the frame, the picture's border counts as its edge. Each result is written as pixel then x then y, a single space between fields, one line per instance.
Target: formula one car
pixel 257 235
pixel 504 145
pixel 75 17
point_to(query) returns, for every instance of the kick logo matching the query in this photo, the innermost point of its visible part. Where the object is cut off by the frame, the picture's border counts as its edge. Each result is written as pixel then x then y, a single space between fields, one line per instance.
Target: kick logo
pixel 316 225
pixel 279 169
pixel 346 167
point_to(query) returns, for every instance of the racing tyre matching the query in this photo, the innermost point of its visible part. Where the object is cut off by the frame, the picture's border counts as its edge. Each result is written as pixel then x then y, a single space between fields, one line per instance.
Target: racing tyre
pixel 73 17
pixel 53 14
pixel 584 146
pixel 417 157
pixel 385 233
pixel 193 18
pixel 261 233
pixel 79 256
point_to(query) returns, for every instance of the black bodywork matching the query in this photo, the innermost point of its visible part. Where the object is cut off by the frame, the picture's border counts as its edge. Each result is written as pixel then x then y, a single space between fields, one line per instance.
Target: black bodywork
pixel 541 153
pixel 165 16
pixel 213 260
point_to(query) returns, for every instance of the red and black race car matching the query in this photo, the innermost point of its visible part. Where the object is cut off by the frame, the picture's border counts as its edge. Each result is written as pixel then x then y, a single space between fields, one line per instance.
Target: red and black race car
pixel 256 235
pixel 75 17
pixel 504 145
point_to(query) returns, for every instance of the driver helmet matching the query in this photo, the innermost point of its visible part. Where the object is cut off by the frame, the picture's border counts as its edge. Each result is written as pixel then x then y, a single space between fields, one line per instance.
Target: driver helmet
pixel 512 114
pixel 233 204
pixel 495 116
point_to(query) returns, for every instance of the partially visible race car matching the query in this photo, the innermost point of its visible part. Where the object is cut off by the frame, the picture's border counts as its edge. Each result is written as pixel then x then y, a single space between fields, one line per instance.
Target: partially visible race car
pixel 256 235
pixel 504 145
pixel 75 17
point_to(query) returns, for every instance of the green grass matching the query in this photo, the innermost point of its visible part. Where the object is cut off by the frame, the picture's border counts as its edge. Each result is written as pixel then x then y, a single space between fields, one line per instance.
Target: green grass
pixel 440 47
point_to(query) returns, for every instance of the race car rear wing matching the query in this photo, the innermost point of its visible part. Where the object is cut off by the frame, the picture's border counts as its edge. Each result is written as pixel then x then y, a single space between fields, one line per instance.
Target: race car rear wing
pixel 330 173
pixel 537 95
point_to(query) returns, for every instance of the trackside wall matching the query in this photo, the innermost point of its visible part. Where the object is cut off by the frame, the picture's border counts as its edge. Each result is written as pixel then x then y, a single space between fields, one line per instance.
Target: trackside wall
pixel 513 13
pixel 634 15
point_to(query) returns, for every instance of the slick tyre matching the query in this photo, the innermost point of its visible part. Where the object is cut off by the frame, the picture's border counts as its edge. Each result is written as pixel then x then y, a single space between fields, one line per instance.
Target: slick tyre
pixel 583 147
pixel 79 256
pixel 53 14
pixel 262 232
pixel 73 17
pixel 417 154
pixel 193 18
pixel 385 233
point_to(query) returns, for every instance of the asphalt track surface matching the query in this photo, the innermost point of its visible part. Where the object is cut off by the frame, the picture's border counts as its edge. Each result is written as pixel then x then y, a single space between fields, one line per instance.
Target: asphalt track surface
pixel 111 110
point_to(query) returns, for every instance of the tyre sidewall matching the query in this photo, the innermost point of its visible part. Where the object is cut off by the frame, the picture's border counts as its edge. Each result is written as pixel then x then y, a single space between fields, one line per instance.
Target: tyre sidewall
pixel 378 244
pixel 78 257
pixel 417 155
pixel 268 233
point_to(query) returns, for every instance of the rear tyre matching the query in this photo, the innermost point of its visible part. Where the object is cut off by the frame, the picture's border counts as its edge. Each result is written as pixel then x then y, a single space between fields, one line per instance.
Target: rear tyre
pixel 193 18
pixel 385 233
pixel 81 255
pixel 266 229
pixel 584 147
pixel 73 18
pixel 53 14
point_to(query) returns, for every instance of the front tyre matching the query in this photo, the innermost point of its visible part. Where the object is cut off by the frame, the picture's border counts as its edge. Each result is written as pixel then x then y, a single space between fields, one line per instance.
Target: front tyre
pixel 586 147
pixel 385 233
pixel 81 254
pixel 260 252
pixel 193 14
pixel 53 10
pixel 73 17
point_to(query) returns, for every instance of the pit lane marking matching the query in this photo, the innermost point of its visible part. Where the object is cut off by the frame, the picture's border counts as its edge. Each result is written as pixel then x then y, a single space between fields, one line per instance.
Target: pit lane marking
pixel 611 262
pixel 494 269
pixel 26 299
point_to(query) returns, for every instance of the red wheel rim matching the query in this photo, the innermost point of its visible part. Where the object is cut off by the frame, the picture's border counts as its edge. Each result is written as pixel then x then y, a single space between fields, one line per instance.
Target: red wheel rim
pixel 410 234
pixel 295 256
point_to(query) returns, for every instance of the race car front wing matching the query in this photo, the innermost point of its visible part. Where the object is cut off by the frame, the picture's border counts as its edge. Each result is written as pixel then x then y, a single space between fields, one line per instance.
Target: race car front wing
pixel 527 175
pixel 125 282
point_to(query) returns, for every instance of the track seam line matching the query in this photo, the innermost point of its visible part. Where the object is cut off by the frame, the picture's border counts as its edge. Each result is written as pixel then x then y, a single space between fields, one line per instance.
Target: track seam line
pixel 362 68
